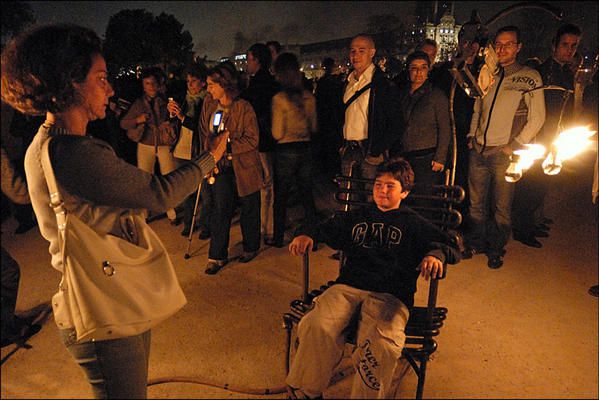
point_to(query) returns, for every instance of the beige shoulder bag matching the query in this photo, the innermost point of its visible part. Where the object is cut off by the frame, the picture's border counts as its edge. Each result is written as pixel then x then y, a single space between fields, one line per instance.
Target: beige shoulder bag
pixel 114 288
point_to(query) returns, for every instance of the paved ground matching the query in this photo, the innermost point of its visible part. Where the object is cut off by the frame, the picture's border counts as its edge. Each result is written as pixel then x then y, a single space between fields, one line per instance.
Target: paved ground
pixel 527 330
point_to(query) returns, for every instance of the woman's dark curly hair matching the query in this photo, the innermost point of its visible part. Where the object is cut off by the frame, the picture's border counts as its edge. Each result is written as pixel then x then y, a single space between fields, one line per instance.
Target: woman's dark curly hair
pixel 227 76
pixel 40 66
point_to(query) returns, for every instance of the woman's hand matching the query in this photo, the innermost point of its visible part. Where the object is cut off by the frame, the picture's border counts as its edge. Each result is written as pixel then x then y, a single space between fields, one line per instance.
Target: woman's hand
pixel 174 109
pixel 218 145
pixel 142 118
pixel 437 167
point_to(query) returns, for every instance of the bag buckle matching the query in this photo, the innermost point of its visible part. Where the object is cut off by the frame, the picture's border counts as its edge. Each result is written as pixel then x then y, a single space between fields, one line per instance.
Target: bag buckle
pixel 107 268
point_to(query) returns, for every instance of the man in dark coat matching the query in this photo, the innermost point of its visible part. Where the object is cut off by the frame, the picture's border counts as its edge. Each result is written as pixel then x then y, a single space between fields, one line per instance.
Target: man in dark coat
pixel 259 93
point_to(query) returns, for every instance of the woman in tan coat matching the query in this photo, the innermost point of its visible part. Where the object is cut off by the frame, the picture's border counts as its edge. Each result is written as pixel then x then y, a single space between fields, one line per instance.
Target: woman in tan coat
pixel 239 176
pixel 147 124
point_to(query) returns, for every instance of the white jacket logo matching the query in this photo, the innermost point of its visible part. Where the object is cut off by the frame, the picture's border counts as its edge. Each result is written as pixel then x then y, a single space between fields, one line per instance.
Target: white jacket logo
pixel 525 79
pixel 374 236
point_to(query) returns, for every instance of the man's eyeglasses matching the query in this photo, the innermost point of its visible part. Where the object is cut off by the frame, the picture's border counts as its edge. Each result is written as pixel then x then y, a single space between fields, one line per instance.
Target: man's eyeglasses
pixel 508 45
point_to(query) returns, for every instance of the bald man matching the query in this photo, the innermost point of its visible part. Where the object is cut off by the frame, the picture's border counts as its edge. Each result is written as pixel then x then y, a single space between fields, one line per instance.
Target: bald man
pixel 371 122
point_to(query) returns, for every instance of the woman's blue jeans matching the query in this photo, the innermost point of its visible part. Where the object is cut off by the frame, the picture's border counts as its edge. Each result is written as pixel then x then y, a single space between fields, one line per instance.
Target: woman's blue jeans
pixel 117 368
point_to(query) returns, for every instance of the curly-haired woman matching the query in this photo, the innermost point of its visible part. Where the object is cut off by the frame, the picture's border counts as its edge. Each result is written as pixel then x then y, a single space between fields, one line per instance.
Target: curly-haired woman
pixel 59 71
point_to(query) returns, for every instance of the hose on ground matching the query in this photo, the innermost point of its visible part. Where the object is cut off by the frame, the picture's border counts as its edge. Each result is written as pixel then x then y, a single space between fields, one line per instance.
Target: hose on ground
pixel 238 389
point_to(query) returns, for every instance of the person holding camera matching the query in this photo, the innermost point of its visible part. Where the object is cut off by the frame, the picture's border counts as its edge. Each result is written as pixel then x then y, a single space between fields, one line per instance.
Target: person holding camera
pixel 147 124
pixel 185 114
pixel 239 175
pixel 68 82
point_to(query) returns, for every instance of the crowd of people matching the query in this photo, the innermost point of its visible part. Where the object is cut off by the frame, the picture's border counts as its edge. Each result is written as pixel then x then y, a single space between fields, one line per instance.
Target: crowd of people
pixel 257 141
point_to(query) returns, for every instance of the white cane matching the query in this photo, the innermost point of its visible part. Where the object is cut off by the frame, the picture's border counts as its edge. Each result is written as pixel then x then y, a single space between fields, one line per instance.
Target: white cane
pixel 193 220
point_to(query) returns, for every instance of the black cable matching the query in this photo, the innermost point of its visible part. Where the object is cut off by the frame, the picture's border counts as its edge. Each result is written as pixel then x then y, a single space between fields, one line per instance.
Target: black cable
pixel 339 375
pixel 226 386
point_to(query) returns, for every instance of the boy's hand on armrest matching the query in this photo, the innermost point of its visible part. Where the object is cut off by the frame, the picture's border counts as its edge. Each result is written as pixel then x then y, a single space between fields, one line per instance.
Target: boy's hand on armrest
pixel 300 245
pixel 431 267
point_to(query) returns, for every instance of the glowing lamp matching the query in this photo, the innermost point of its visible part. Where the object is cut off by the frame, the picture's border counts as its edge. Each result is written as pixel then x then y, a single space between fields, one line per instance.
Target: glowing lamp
pixel 552 165
pixel 513 173
pixel 568 144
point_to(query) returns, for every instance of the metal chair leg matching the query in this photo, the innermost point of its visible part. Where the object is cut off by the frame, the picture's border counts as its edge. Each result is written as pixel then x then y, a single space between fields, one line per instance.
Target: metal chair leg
pixel 421 378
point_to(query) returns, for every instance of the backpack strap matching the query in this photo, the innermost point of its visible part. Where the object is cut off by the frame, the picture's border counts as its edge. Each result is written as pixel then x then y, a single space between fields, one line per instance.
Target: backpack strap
pixel 355 96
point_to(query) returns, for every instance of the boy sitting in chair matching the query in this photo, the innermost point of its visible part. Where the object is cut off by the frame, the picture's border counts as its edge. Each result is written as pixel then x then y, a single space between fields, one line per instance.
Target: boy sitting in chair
pixel 386 248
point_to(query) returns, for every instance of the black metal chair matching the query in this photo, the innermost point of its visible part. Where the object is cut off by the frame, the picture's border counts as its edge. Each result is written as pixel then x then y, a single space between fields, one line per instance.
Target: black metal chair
pixel 425 321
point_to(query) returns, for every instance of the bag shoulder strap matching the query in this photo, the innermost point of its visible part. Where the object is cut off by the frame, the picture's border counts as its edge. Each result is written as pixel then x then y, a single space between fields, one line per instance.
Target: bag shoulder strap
pixel 356 95
pixel 56 201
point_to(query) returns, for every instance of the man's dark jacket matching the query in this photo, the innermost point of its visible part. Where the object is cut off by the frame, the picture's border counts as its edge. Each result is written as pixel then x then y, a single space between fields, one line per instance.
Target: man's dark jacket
pixel 259 93
pixel 385 122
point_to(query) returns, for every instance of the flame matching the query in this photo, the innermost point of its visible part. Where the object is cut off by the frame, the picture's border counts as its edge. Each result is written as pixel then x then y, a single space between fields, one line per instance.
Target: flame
pixel 572 142
pixel 529 154
pixel 568 144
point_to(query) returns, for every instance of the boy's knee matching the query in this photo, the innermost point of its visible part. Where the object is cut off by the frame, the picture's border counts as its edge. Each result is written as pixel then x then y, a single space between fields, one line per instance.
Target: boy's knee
pixel 318 327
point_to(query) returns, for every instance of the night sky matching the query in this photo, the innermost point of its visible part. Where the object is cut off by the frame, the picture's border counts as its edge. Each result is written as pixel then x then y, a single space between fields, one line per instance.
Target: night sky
pixel 213 24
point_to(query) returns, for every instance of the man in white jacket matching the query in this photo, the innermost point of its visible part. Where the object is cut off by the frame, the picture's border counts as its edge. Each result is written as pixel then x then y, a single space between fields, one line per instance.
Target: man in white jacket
pixel 504 120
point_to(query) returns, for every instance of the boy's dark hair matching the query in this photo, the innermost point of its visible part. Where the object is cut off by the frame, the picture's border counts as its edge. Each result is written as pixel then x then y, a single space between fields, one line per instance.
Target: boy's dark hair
pixel 261 52
pixel 567 29
pixel 401 170
pixel 510 28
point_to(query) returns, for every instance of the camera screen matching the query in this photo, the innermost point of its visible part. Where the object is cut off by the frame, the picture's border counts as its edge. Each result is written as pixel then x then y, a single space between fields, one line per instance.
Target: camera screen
pixel 217 117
